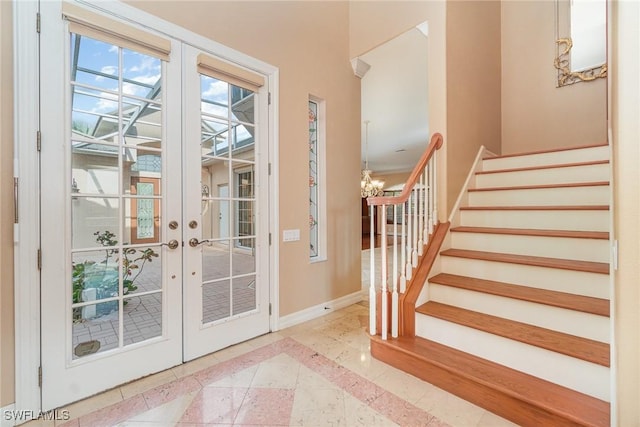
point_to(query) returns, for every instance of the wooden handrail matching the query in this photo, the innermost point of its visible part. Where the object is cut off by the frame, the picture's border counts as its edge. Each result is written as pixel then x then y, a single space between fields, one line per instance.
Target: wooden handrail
pixel 434 144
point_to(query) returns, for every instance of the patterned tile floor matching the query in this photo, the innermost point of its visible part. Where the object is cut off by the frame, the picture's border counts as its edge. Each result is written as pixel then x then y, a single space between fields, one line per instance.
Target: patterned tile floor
pixel 319 373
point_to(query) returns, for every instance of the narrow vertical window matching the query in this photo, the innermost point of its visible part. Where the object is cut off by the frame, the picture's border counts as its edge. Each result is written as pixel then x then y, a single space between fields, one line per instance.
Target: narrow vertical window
pixel 316 167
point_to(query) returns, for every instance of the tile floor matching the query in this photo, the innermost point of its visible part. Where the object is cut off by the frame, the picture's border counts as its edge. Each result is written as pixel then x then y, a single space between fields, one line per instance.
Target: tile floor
pixel 319 373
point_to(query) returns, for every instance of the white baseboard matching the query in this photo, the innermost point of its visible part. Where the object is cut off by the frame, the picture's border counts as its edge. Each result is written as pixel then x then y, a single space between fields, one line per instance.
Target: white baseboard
pixel 6 416
pixel 318 310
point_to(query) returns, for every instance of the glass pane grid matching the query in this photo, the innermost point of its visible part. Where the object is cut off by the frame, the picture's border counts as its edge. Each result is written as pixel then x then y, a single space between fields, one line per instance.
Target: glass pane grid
pixel 117 286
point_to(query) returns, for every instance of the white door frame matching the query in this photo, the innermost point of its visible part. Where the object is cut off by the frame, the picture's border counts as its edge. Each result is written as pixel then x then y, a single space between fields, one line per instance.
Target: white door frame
pixel 27 175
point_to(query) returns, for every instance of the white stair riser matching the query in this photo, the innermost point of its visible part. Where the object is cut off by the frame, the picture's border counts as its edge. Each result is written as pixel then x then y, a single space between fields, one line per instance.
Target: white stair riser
pixel 596 250
pixel 566 175
pixel 573 220
pixel 574 282
pixel 571 322
pixel 576 374
pixel 562 196
pixel 554 158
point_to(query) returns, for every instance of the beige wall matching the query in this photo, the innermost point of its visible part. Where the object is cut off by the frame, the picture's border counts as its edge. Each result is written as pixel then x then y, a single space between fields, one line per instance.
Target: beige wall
pixel 473 87
pixel 626 159
pixel 535 114
pixel 308 42
pixel 370 26
pixel 6 208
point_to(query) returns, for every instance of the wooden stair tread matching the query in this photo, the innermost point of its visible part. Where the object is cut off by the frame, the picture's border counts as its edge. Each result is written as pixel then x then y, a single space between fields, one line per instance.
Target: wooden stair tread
pixel 553 166
pixel 565 264
pixel 570 345
pixel 537 208
pixel 542 186
pixel 483 382
pixel 552 150
pixel 598 306
pixel 601 235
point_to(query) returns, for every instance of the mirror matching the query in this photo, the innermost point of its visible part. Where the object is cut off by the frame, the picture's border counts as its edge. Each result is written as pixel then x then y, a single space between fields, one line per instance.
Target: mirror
pixel 581 40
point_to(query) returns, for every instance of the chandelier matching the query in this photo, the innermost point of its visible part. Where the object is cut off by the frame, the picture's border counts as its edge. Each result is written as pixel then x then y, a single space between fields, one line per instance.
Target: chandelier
pixel 369 187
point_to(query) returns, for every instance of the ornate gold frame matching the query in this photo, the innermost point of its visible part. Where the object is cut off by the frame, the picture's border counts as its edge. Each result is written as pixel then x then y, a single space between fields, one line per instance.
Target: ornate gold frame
pixel 568 77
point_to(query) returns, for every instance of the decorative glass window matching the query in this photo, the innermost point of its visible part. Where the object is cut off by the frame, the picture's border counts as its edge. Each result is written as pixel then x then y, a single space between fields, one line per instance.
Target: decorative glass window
pixel 316 180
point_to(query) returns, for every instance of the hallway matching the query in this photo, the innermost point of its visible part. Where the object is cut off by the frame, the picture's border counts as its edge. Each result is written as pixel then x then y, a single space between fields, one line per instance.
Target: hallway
pixel 319 373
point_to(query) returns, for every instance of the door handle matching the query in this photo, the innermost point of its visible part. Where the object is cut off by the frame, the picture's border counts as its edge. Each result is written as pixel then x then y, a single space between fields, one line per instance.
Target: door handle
pixel 193 242
pixel 173 244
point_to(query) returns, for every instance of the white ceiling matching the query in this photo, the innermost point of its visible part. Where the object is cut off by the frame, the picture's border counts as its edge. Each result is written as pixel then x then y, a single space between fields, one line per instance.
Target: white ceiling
pixel 394 100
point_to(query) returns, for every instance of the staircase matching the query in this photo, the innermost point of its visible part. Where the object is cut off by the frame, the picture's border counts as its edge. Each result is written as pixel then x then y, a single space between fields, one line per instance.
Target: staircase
pixel 515 313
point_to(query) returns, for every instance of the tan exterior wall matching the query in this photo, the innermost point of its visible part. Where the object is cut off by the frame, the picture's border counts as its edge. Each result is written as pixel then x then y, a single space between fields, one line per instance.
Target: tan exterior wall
pixel 6 208
pixel 536 115
pixel 626 159
pixel 473 87
pixel 308 42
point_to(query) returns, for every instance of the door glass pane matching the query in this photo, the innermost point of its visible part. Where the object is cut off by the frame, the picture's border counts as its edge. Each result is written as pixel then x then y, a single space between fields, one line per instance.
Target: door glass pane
pixel 215 138
pixel 142 317
pixel 141 269
pixel 244 257
pixel 95 275
pixel 93 216
pixel 215 97
pixel 216 298
pixel 94 169
pixel 95 328
pixel 115 195
pixel 94 63
pixel 244 294
pixel 228 199
pixel 216 261
pixel 242 105
pixel 142 122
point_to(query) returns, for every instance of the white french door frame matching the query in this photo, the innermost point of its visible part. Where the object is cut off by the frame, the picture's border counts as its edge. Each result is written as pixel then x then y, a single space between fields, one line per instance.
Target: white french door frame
pixel 26 66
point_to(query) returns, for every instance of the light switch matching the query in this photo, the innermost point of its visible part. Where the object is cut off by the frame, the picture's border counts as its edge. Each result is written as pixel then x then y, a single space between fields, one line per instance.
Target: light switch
pixel 290 235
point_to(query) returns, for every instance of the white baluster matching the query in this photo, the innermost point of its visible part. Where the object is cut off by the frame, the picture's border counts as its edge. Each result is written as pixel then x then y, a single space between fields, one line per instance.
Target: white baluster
pixel 414 252
pixel 420 216
pixel 372 272
pixel 383 267
pixel 409 239
pixel 394 284
pixel 431 194
pixel 435 188
pixel 403 251
pixel 427 191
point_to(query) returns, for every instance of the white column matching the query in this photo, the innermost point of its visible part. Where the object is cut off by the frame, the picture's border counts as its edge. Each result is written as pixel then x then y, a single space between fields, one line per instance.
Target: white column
pixel 383 284
pixel 403 251
pixel 372 274
pixel 394 277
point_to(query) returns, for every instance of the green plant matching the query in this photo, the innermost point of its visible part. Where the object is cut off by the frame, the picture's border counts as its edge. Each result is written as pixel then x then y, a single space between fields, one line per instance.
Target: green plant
pixel 103 276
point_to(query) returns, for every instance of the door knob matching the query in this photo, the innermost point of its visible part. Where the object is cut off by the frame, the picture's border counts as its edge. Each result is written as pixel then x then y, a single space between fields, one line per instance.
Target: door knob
pixel 193 242
pixel 173 244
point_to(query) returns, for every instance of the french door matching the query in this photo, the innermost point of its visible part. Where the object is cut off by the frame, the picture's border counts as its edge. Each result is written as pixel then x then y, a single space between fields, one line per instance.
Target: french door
pixel 138 274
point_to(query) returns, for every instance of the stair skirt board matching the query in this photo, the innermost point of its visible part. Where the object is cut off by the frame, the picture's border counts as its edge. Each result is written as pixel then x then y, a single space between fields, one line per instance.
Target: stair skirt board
pixel 573 282
pixel 558 175
pixel 592 220
pixel 584 377
pixel 596 250
pixel 586 154
pixel 571 322
pixel 559 196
